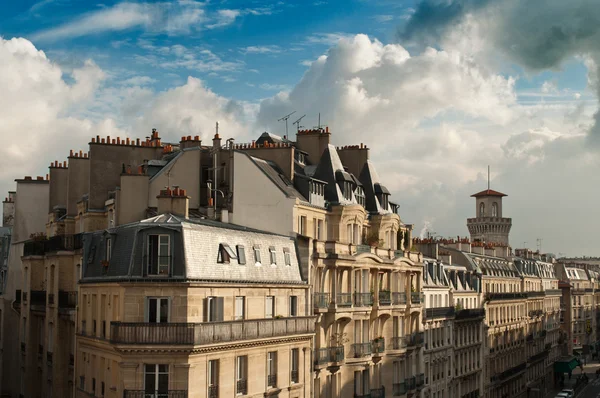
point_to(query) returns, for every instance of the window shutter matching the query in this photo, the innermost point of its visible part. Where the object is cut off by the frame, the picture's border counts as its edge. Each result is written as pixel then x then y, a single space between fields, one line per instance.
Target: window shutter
pixel 219 317
pixel 205 305
pixel 241 255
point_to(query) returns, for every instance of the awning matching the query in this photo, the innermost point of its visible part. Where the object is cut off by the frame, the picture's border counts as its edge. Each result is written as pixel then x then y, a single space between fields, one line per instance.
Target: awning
pixel 566 365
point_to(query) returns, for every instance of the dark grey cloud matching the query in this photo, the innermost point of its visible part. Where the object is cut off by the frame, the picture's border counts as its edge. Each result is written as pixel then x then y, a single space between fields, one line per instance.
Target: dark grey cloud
pixel 536 35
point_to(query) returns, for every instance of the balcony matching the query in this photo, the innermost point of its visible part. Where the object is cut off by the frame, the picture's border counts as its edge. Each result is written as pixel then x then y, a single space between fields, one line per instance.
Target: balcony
pixel 363 299
pixel 420 380
pixel 385 298
pixel 378 345
pixel 553 292
pixel 399 298
pixel 416 298
pixel 538 357
pixel 411 383
pixel 53 244
pixel 329 355
pixel 213 391
pixel 155 394
pixel 398 343
pixel 321 300
pixel 441 312
pixel 294 376
pixel 536 294
pixel 208 332
pixel 361 350
pixel 416 339
pixel 37 297
pixel 399 389
pixel 344 300
pixel 535 313
pixel 548 346
pixel 51 299
pixel 378 392
pixel 509 373
pixel 67 300
pixel 272 381
pixel 470 313
pixel 241 386
pixel 505 296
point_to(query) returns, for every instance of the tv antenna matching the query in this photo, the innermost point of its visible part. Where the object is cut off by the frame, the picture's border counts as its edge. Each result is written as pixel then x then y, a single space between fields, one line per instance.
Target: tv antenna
pixel 539 244
pixel 286 117
pixel 297 123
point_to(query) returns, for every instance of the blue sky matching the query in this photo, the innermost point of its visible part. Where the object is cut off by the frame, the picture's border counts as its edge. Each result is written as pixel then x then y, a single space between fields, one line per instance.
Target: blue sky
pixel 487 85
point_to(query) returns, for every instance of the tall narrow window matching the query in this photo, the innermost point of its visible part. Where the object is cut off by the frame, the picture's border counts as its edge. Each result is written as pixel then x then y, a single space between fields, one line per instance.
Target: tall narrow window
pixel 293 305
pixel 156 380
pixel 481 210
pixel 240 302
pixel 241 387
pixel 295 359
pixel 269 306
pixel 213 378
pixel 272 369
pixel 287 258
pixel 241 255
pixel 320 230
pixel 225 253
pixel 257 255
pixel 273 255
pixel 158 310
pixel 494 209
pixel 108 249
pixel 51 338
pixel 302 225
pixel 158 255
pixel 214 309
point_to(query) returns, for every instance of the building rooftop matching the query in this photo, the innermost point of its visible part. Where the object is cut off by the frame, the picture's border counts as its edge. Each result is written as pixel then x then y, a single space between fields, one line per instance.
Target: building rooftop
pixel 488 192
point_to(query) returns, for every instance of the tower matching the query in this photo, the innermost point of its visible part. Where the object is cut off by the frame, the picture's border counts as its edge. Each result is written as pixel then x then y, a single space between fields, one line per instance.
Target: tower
pixel 488 225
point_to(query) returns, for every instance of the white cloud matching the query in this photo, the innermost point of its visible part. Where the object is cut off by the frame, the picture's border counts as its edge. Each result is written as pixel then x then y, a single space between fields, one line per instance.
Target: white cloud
pixel 326 39
pixel 139 81
pixel 274 87
pixel 224 18
pixel 272 49
pixel 383 18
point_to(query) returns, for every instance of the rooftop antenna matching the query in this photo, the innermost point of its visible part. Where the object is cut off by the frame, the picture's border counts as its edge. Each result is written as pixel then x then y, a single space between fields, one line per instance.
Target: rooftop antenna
pixel 539 244
pixel 488 177
pixel 319 126
pixel 286 117
pixel 297 123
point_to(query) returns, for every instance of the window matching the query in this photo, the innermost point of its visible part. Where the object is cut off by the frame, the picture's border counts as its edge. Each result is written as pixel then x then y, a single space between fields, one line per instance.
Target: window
pixel 302 225
pixel 257 254
pixel 50 337
pixel 214 309
pixel 102 389
pixel 240 375
pixel 320 231
pixel 158 310
pixel 295 359
pixel 293 305
pixel 269 306
pixel 287 256
pixel 240 302
pixel 481 209
pixel 272 369
pixel 158 254
pixel 82 383
pixel 93 385
pixel 156 380
pixel 494 209
pixel 241 254
pixel 108 249
pixel 225 253
pixel 213 378
pixel 273 255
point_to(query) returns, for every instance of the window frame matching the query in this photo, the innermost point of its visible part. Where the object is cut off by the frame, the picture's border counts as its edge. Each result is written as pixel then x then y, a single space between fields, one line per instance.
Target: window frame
pixel 241 254
pixel 242 300
pixel 272 309
pixel 108 249
pixel 160 244
pixel 287 257
pixel 273 256
pixel 157 373
pixel 293 309
pixel 159 300
pixel 257 258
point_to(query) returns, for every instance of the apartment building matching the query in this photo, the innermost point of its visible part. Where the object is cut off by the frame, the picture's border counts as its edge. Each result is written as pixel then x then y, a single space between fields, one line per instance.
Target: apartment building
pixel 192 308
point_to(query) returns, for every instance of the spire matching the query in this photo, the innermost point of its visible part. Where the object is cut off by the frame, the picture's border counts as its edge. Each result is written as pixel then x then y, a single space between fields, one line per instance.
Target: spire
pixel 488 177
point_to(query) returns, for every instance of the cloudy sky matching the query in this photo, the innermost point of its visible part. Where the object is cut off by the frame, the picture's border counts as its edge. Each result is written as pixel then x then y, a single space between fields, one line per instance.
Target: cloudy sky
pixel 439 89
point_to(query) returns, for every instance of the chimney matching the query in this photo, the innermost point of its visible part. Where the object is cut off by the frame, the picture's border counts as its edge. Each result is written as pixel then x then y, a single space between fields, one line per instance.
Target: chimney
pixel 189 142
pixel 174 201
pixel 313 142
pixel 217 141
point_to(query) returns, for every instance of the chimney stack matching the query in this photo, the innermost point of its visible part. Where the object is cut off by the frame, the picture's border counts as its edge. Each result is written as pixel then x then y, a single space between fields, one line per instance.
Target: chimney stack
pixel 174 201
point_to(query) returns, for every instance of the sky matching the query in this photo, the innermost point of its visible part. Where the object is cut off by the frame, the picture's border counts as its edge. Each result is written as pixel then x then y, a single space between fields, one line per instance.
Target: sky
pixel 438 89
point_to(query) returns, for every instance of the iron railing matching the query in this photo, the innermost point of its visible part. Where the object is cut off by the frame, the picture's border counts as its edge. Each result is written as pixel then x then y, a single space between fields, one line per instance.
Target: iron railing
pixel 470 313
pixel 509 372
pixel 208 332
pixel 213 391
pixel 321 300
pixel 378 392
pixel 242 386
pixel 49 357
pixel 385 298
pixel 37 297
pixel 505 296
pixel 53 244
pixel 398 343
pixel 420 380
pixel 441 312
pixel 363 299
pixel 399 298
pixel 294 376
pixel 344 300
pixel 399 388
pixel 155 394
pixel 67 299
pixel 272 381
pixel 157 265
pixel 362 349
pixel 378 345
pixel 411 383
pixel 416 298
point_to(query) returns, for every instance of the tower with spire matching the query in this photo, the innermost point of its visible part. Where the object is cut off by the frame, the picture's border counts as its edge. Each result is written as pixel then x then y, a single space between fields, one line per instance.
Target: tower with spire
pixel 489 226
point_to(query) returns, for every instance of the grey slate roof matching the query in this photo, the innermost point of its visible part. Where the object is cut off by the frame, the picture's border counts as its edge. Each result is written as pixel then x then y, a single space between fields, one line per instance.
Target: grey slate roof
pixel 275 174
pixel 194 249
pixel 372 187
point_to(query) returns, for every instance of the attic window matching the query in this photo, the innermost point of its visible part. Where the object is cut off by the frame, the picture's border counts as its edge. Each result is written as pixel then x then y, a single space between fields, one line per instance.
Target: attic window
pixel 287 257
pixel 273 255
pixel 225 253
pixel 360 196
pixel 256 254
pixel 347 190
pixel 241 252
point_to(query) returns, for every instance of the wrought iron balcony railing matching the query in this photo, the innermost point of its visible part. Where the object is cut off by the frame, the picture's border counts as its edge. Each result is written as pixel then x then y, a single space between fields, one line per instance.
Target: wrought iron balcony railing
pixel 329 355
pixel 53 244
pixel 378 392
pixel 208 332
pixel 399 298
pixel 321 300
pixel 344 300
pixel 363 299
pixel 67 300
pixel 155 394
pixel 398 343
pixel 242 386
pixel 470 313
pixel 399 388
pixel 362 349
pixel 441 312
pixel 416 298
pixel 272 381
pixel 378 345
pixel 385 298
pixel 213 391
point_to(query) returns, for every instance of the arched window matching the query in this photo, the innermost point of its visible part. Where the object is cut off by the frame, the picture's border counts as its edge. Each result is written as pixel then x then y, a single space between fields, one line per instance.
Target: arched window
pixel 494 209
pixel 481 209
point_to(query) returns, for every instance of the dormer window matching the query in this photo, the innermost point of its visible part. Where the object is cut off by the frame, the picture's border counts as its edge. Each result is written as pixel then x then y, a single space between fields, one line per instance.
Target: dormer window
pixel 347 190
pixel 287 257
pixel 256 254
pixel 273 255
pixel 225 254
pixel 359 193
pixel 158 255
pixel 108 249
